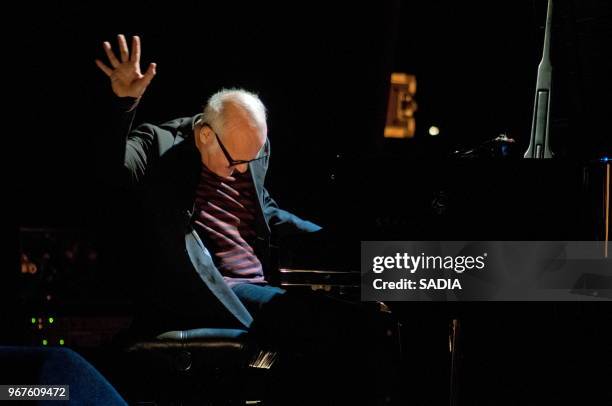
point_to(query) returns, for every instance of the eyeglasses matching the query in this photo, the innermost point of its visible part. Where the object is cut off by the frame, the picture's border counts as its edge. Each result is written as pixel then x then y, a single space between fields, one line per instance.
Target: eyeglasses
pixel 232 161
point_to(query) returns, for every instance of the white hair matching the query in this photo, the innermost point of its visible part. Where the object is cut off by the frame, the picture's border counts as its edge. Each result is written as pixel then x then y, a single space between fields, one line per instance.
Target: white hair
pixel 215 107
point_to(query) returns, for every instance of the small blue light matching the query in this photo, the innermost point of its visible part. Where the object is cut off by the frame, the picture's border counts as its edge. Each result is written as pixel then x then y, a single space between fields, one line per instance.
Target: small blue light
pixel 605 159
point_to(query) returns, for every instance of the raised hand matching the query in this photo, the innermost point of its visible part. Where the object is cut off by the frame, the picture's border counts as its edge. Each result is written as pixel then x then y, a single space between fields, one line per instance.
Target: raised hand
pixel 125 75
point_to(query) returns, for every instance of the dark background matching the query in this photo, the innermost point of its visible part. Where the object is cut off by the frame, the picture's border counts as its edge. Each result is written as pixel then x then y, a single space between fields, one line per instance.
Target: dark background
pixel 322 70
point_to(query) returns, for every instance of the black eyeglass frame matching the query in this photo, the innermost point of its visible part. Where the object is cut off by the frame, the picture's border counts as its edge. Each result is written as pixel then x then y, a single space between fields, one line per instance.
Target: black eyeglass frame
pixel 232 162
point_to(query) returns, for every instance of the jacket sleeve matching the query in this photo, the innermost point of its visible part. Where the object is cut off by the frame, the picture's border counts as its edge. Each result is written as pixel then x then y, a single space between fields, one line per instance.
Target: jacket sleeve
pixel 282 223
pixel 125 153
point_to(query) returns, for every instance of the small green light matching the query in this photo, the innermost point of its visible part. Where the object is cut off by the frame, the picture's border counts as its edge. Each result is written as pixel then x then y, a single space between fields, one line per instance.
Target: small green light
pixel 62 342
pixel 33 320
pixel 51 320
pixel 45 342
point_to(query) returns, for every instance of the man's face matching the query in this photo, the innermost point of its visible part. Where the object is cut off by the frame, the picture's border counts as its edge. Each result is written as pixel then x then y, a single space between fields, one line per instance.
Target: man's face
pixel 241 137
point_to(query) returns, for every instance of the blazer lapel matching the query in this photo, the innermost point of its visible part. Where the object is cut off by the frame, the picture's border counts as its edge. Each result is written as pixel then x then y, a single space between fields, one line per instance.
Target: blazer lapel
pixel 258 171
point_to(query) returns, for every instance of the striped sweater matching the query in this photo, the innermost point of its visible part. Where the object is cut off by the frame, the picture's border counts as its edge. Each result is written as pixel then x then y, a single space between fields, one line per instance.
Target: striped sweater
pixel 225 210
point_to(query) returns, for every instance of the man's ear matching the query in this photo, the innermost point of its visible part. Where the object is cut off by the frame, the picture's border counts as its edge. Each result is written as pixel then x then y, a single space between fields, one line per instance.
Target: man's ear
pixel 203 134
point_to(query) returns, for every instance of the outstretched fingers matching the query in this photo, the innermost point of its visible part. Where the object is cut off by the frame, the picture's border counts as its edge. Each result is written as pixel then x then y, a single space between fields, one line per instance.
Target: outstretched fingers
pixel 109 53
pixel 135 58
pixel 123 48
pixel 108 71
pixel 149 74
pixel 126 77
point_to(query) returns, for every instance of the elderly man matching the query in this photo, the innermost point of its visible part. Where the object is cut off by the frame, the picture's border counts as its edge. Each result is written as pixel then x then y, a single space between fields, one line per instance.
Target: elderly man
pixel 208 221
pixel 204 198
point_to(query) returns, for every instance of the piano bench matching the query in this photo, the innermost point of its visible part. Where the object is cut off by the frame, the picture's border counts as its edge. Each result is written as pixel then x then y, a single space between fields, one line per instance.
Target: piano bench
pixel 200 364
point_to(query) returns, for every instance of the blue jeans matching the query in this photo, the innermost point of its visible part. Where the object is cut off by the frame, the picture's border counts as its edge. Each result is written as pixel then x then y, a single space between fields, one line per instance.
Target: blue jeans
pixel 254 297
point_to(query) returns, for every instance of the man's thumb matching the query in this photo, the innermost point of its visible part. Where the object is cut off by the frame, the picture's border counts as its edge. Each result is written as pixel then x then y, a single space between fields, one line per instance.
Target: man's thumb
pixel 150 73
